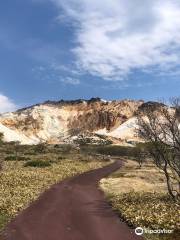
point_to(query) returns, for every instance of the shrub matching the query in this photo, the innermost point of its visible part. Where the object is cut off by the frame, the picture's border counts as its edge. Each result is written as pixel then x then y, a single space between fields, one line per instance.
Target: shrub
pixel 31 153
pixel 21 158
pixel 1 137
pixel 3 219
pixel 16 158
pixel 40 148
pixel 66 148
pixel 37 163
pixel 9 152
pixel 109 150
pixel 10 158
pixel 56 146
pixel 61 158
pixel 1 164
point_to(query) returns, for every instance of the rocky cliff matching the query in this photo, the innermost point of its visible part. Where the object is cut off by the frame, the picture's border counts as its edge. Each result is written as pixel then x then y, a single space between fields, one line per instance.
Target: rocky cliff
pixel 63 121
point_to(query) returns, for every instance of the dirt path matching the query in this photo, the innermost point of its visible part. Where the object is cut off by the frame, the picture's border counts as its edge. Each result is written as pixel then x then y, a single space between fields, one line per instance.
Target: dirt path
pixel 74 209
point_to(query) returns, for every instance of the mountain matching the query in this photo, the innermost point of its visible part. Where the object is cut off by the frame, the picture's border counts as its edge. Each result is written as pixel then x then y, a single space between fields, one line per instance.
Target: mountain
pixel 67 121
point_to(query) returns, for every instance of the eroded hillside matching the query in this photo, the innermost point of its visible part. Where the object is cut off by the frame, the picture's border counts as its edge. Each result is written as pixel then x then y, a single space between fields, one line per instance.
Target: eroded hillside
pixel 54 122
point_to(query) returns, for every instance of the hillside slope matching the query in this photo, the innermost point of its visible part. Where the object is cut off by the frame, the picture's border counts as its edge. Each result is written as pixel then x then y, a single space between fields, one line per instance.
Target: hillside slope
pixel 63 121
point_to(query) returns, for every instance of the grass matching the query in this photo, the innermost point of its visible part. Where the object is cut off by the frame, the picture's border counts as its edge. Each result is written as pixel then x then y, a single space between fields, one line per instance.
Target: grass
pixel 132 178
pixel 139 195
pixel 3 220
pixel 20 185
pixel 152 210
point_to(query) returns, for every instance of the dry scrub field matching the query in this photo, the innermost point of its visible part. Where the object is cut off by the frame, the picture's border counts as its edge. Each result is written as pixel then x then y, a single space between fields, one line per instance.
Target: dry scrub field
pixel 20 185
pixel 140 197
pixel 138 194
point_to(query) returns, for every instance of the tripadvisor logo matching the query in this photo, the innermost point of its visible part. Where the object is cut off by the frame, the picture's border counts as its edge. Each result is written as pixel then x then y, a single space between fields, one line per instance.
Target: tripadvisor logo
pixel 139 231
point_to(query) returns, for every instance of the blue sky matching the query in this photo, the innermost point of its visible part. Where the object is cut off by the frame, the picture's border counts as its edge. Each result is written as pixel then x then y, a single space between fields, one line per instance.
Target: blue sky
pixel 68 49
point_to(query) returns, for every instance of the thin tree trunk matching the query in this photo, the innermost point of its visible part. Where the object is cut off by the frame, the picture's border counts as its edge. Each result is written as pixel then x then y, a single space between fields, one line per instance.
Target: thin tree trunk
pixel 168 183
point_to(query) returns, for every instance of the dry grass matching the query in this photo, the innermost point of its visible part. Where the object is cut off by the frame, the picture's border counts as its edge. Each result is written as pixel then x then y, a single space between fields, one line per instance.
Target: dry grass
pixel 140 197
pixel 132 178
pixel 20 185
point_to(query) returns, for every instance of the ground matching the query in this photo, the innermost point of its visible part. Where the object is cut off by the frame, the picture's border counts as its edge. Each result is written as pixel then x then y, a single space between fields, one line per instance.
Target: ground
pixel 20 185
pixel 140 197
pixel 72 209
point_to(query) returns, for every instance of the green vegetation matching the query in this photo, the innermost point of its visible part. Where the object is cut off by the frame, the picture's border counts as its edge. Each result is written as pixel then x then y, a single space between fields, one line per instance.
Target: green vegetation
pixel 15 158
pixel 37 163
pixel 150 211
pixel 115 150
pixel 3 220
pixel 1 137
pixel 112 150
pixel 153 210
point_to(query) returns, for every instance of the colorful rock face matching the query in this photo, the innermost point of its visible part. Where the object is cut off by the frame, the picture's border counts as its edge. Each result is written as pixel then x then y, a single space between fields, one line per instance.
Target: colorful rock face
pixel 63 121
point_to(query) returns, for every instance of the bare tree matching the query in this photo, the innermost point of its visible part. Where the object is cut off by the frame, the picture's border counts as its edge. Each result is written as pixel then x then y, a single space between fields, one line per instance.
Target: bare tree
pixel 140 153
pixel 40 148
pixel 16 147
pixel 160 127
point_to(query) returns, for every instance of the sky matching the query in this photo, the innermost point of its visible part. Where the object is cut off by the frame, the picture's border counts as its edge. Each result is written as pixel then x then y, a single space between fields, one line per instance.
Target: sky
pixel 70 49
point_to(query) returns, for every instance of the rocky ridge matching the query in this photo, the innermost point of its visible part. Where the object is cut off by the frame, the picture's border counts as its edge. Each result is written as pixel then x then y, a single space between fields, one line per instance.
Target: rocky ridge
pixel 64 121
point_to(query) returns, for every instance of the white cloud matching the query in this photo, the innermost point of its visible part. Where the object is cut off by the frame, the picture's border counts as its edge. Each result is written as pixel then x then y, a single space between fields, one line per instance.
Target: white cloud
pixel 6 104
pixel 115 37
pixel 70 80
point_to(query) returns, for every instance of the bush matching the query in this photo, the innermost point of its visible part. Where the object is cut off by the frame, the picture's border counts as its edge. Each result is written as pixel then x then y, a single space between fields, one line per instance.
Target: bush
pixel 14 158
pixel 112 150
pixel 66 148
pixel 3 219
pixel 10 158
pixel 21 158
pixel 40 148
pixel 61 158
pixel 115 150
pixel 9 152
pixel 37 163
pixel 1 164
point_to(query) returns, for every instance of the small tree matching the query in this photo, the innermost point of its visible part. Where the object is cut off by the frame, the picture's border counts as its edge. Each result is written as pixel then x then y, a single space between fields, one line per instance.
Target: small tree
pixel 16 147
pixel 160 127
pixel 140 153
pixel 40 148
pixel 1 137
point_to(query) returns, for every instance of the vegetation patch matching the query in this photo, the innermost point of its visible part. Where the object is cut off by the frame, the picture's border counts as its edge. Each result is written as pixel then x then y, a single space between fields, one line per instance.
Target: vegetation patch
pixel 112 150
pixel 3 220
pixel 148 210
pixel 16 158
pixel 38 163
pixel 10 158
pixel 140 197
pixel 20 185
pixel 61 158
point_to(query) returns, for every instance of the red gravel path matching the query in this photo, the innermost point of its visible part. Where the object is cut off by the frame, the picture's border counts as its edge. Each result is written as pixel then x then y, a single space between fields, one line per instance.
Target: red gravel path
pixel 74 209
